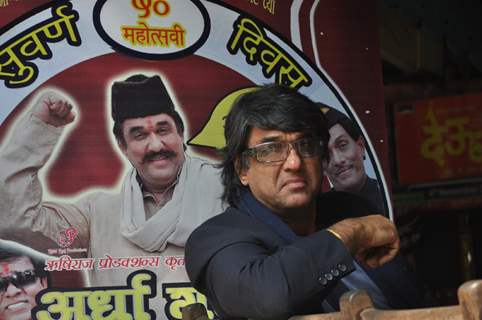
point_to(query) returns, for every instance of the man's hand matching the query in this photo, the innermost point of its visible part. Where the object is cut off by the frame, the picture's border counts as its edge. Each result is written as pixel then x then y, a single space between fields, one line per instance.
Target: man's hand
pixel 372 240
pixel 54 109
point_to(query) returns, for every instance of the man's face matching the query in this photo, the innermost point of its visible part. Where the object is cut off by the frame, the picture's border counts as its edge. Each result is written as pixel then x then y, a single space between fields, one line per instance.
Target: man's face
pixel 345 168
pixel 17 302
pixel 283 186
pixel 155 149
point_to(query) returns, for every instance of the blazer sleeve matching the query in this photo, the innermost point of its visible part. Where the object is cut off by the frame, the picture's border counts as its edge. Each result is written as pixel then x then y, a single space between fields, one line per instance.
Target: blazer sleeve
pixel 247 272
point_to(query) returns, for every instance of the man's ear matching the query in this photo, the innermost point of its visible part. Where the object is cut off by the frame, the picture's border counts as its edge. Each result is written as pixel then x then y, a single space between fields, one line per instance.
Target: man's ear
pixel 122 146
pixel 44 282
pixel 242 173
pixel 361 143
pixel 324 164
pixel 184 146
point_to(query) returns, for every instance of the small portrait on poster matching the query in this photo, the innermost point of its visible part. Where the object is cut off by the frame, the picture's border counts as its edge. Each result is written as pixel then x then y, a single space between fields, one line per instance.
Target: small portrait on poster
pixel 345 167
pixel 22 277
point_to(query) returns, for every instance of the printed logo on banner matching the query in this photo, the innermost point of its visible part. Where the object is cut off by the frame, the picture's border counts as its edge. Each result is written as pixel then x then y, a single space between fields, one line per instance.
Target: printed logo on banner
pixel 67 237
pixel 152 29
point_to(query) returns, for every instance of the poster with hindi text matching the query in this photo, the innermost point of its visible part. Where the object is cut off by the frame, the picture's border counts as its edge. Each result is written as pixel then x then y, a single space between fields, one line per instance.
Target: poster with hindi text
pixel 63 188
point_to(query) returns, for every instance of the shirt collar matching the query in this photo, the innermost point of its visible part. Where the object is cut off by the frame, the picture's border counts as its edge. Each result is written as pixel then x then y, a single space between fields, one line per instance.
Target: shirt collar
pixel 147 194
pixel 254 208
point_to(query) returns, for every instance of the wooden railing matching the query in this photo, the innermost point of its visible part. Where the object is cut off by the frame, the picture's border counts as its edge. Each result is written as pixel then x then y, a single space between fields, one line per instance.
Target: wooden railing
pixel 357 305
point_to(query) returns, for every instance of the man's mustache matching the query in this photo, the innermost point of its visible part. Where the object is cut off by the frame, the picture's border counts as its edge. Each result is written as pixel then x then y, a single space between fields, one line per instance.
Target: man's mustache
pixel 161 153
pixel 341 169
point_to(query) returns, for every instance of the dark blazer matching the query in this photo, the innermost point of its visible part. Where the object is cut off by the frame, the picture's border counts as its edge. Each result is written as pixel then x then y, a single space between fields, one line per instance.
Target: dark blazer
pixel 246 270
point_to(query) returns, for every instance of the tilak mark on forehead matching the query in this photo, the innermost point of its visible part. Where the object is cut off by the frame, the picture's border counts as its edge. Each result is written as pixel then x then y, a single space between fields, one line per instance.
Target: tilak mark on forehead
pixel 5 267
pixel 150 124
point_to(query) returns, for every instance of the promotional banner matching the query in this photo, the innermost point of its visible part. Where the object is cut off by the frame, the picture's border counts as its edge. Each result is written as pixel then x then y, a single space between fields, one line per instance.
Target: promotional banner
pixel 69 191
pixel 439 139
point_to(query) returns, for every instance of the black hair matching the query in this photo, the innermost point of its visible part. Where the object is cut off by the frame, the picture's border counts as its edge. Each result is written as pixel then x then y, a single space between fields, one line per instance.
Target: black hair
pixel 334 117
pixel 268 107
pixel 350 128
pixel 10 253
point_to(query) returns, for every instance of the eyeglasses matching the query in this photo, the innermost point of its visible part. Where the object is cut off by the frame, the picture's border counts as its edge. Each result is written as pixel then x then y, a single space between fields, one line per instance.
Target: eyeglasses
pixel 278 151
pixel 20 279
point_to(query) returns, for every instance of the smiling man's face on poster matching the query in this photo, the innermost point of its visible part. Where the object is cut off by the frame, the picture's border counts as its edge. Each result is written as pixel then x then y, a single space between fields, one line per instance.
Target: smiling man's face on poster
pixel 18 287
